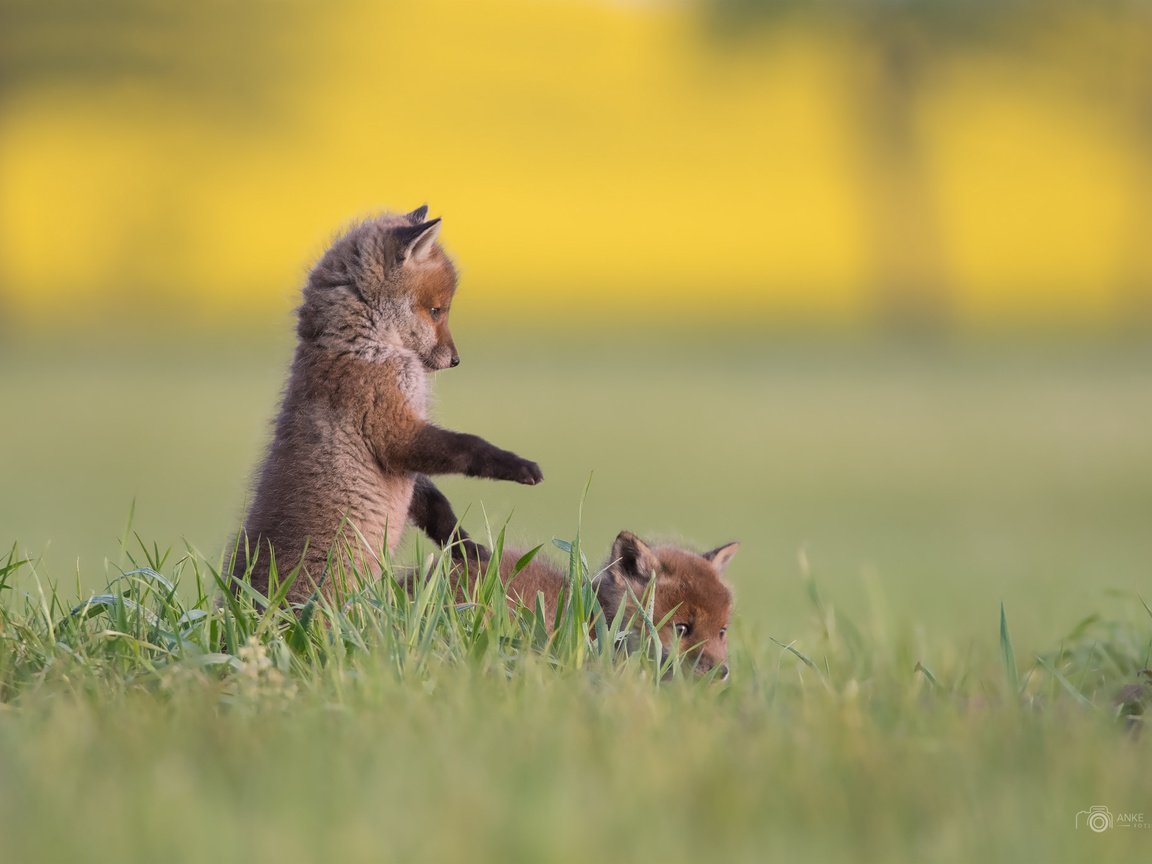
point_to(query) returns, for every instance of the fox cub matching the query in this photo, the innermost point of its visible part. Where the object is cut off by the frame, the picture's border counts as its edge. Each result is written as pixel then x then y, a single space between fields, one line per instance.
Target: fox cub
pixel 689 585
pixel 348 463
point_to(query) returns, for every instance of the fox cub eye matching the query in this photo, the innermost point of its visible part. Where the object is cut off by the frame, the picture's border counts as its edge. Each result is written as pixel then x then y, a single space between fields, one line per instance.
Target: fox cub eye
pixel 682 629
pixel 435 313
pixel 723 632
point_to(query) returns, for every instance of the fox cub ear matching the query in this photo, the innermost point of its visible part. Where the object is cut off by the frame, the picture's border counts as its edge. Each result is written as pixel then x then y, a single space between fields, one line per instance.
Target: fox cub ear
pixel 418 215
pixel 722 555
pixel 416 240
pixel 632 558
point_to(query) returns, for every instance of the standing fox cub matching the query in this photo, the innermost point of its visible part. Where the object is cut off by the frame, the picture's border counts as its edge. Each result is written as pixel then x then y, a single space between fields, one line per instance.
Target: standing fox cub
pixel 689 591
pixel 352 447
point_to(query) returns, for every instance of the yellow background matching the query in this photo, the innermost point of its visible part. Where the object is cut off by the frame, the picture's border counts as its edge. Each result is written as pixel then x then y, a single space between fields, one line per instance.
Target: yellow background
pixel 590 159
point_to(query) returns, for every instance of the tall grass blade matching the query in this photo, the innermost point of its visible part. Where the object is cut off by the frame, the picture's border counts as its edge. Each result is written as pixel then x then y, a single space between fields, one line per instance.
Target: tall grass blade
pixel 1065 683
pixel 1007 655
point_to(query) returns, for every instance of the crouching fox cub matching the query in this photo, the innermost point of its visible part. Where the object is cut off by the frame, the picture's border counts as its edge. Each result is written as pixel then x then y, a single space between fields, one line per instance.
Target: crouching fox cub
pixel 689 591
pixel 352 446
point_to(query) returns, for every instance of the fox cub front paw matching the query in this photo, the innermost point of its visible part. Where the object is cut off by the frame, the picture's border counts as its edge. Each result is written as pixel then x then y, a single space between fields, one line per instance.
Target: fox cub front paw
pixel 471 553
pixel 530 473
pixel 511 467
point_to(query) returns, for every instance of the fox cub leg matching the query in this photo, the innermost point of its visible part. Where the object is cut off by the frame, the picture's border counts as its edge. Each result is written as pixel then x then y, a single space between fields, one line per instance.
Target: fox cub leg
pixel 432 450
pixel 432 513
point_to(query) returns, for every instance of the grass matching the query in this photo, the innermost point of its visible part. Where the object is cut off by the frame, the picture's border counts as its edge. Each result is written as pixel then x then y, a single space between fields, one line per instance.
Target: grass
pixel 136 725
pixel 924 488
pixel 938 602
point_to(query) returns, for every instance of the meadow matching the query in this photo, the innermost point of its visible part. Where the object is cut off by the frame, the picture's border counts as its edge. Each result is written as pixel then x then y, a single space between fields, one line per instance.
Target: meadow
pixel 673 223
pixel 939 596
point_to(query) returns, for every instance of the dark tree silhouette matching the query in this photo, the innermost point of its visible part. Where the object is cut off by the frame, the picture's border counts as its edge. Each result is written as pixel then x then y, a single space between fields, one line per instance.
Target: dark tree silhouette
pixel 1118 71
pixel 902 41
pixel 217 55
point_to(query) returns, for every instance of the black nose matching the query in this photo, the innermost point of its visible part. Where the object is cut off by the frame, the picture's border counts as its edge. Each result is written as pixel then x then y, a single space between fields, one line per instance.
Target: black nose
pixel 455 360
pixel 722 673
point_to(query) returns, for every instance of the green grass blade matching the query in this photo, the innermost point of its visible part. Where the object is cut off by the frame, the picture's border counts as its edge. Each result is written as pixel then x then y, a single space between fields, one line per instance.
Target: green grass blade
pixel 1007 655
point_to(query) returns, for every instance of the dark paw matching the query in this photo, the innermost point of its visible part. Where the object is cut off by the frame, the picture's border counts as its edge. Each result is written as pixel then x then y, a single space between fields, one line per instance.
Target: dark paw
pixel 509 466
pixel 528 473
pixel 471 553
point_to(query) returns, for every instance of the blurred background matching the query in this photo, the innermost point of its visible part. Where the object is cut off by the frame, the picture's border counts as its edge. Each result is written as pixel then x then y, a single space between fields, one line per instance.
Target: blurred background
pixel 866 282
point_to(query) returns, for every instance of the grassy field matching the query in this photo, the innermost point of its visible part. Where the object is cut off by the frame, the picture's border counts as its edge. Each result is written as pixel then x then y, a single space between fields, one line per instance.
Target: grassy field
pixel 888 502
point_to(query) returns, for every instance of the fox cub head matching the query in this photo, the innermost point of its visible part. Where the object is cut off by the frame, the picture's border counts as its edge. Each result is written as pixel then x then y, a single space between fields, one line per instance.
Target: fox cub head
pixel 385 284
pixel 687 585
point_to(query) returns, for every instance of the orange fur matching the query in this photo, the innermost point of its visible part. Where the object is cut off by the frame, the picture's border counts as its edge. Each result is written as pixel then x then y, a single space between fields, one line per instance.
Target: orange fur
pixel 690 591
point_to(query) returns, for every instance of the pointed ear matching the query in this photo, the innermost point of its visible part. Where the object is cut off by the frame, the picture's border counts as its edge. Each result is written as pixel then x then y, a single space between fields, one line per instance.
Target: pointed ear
pixel 416 240
pixel 417 216
pixel 632 558
pixel 722 555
